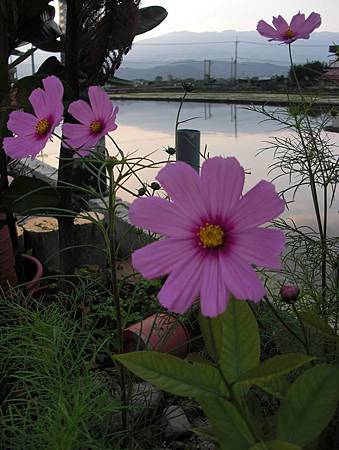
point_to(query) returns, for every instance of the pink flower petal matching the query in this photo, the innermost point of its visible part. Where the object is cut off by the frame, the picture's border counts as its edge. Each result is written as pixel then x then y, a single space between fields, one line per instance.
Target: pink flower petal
pixel 213 294
pixel 280 24
pixel 260 246
pixel 54 91
pixel 258 206
pixel 267 30
pixel 240 279
pixel 222 182
pixel 22 123
pixel 297 21
pixel 312 22
pixel 161 257
pixel 182 184
pixel 160 216
pixel 82 112
pixel 100 102
pixel 110 125
pixel 182 285
pixel 22 147
pixel 40 106
pixel 78 135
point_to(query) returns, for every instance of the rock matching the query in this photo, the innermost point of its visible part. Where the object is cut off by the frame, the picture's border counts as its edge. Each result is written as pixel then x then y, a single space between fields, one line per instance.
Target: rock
pixel 146 396
pixel 176 422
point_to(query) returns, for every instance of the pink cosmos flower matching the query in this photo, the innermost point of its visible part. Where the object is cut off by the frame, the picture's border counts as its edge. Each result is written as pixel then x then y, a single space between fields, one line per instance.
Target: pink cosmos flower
pixel 32 131
pixel 299 28
pixel 212 235
pixel 96 120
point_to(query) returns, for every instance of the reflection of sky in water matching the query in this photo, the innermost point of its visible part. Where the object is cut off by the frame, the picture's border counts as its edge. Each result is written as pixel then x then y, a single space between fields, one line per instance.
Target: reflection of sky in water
pixel 146 127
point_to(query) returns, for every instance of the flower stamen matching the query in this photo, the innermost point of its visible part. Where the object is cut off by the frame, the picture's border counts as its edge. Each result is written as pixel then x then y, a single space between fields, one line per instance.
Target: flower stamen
pixel 96 126
pixel 42 127
pixel 211 236
pixel 289 34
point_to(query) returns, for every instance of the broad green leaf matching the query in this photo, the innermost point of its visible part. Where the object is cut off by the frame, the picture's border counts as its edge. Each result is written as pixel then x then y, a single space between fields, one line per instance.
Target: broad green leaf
pixel 277 386
pixel 213 342
pixel 315 322
pixel 309 405
pixel 275 445
pixel 195 357
pixel 273 368
pixel 26 194
pixel 149 18
pixel 174 375
pixel 240 341
pixel 230 428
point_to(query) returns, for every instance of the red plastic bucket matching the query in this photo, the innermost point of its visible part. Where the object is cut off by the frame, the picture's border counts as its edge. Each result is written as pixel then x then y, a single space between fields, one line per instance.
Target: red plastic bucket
pixel 159 332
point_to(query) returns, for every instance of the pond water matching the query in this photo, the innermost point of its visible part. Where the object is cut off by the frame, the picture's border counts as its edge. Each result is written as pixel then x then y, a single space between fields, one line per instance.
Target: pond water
pixel 148 126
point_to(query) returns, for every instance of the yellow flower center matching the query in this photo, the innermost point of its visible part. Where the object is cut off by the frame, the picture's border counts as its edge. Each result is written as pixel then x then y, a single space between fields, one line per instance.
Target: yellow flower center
pixel 42 127
pixel 289 33
pixel 96 126
pixel 211 236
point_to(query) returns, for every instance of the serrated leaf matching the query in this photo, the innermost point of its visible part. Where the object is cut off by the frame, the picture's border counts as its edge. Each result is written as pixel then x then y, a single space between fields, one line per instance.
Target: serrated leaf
pixel 275 445
pixel 229 427
pixel 26 194
pixel 174 375
pixel 315 322
pixel 240 341
pixel 273 368
pixel 309 405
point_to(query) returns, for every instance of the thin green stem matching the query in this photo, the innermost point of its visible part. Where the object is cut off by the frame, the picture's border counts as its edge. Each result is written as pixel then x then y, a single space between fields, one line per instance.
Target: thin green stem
pixel 281 320
pixel 115 289
pixel 302 326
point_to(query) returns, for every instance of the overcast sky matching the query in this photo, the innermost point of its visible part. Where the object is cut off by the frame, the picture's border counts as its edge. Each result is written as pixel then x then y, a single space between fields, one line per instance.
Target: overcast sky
pixel 240 15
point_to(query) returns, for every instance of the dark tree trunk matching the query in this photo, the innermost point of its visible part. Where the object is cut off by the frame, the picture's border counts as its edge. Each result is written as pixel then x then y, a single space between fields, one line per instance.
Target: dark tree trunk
pixel 65 173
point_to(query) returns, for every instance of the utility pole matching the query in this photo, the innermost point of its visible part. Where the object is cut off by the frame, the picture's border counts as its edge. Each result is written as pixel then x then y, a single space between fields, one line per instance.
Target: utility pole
pixel 231 69
pixel 207 70
pixel 236 60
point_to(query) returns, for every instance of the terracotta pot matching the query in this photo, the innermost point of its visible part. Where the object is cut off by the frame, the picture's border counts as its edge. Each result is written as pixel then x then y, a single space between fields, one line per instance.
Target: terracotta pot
pixel 33 272
pixel 159 332
pixel 7 260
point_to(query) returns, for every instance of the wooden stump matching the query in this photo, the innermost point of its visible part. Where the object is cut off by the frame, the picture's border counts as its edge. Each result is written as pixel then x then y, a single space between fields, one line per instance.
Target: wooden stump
pixel 41 236
pixel 89 244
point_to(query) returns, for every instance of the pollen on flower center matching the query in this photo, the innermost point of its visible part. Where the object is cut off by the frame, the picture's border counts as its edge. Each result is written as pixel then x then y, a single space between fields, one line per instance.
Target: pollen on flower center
pixel 289 33
pixel 96 126
pixel 211 236
pixel 42 127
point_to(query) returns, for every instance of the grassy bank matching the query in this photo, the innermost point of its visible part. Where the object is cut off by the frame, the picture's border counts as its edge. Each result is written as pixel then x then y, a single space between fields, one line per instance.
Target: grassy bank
pixel 323 99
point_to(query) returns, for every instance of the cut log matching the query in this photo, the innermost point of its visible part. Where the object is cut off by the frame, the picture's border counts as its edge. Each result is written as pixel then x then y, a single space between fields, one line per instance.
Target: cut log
pixel 89 244
pixel 42 240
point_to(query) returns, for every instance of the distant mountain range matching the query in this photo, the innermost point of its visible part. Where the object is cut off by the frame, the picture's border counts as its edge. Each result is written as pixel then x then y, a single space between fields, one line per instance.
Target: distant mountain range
pixel 182 54
pixel 195 69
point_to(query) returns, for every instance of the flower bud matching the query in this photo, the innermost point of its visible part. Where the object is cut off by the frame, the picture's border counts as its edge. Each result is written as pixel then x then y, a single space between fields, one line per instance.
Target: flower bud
pixel 188 86
pixel 289 293
pixel 170 150
pixel 142 191
pixel 155 186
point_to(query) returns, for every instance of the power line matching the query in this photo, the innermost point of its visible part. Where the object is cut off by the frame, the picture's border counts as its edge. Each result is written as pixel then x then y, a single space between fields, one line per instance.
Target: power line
pixel 159 44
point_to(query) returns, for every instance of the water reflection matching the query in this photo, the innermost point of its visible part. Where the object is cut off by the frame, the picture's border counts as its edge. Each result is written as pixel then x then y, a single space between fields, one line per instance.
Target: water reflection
pixel 148 127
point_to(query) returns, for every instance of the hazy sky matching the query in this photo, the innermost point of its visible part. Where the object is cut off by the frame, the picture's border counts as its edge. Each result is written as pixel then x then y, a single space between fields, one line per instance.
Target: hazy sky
pixel 241 15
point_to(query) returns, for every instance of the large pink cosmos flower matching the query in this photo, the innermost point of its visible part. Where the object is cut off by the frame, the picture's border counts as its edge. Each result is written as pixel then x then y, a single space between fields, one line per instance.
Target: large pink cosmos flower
pixel 96 120
pixel 299 28
pixel 32 131
pixel 212 235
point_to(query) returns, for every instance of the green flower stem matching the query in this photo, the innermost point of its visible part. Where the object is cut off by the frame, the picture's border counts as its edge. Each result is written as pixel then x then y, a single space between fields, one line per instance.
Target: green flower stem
pixel 322 226
pixel 302 326
pixel 288 328
pixel 115 289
